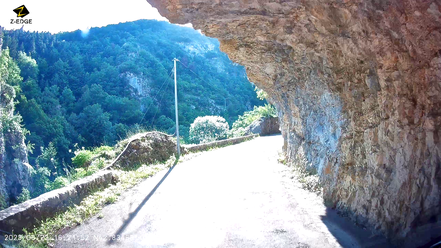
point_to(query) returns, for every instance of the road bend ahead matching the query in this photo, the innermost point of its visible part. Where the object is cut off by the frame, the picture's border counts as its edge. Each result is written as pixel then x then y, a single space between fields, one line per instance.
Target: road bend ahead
pixel 238 196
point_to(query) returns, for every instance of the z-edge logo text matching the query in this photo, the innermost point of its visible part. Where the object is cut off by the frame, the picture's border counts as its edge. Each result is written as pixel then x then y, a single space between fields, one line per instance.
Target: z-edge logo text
pixel 21 12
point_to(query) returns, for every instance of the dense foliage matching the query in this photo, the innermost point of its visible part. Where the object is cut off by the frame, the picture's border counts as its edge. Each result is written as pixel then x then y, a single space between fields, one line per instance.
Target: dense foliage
pixel 90 89
pixel 208 128
pixel 245 120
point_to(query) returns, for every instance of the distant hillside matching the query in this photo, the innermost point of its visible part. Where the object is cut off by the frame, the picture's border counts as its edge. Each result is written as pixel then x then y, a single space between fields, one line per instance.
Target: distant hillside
pixel 92 88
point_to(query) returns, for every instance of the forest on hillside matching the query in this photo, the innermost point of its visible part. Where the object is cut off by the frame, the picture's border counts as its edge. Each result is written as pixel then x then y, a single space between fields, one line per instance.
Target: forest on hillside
pixel 86 89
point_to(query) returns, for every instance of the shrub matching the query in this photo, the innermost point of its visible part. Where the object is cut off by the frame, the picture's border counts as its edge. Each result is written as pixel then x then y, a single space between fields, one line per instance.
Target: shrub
pixel 79 173
pixel 3 203
pixel 99 163
pixel 92 169
pixel 24 196
pixel 41 180
pixel 47 158
pixel 237 132
pixel 102 149
pixel 10 123
pixel 208 128
pixel 110 199
pixel 240 125
pixel 59 182
pixel 82 157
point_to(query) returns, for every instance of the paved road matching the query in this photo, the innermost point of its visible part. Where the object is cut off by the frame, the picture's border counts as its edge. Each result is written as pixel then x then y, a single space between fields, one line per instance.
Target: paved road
pixel 238 196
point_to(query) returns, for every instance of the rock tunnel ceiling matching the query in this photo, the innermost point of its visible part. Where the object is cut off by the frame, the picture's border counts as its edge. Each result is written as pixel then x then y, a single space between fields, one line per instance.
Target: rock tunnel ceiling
pixel 358 88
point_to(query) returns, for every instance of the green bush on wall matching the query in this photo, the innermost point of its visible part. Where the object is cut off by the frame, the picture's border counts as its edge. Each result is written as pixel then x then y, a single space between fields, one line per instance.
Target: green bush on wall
pixel 81 158
pixel 208 128
pixel 59 182
pixel 239 127
pixel 42 183
pixel 24 195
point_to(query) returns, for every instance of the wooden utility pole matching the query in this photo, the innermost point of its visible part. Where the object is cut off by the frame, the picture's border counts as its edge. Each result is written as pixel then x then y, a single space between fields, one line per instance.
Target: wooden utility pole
pixel 176 110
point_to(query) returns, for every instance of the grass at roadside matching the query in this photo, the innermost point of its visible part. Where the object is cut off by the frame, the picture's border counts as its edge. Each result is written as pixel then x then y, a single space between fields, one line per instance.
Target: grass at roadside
pixel 48 230
pixel 309 179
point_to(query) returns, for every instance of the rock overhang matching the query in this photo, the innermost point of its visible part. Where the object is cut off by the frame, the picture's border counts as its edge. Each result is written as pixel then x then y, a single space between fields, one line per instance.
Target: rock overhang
pixel 357 85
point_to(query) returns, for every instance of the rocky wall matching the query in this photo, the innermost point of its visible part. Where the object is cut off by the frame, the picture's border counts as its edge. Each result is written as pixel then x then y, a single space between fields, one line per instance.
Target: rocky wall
pixel 14 167
pixel 144 148
pixel 264 126
pixel 357 85
pixel 30 213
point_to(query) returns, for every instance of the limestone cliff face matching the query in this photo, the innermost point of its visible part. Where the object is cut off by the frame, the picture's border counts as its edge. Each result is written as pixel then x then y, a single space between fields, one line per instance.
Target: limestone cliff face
pixel 14 167
pixel 358 88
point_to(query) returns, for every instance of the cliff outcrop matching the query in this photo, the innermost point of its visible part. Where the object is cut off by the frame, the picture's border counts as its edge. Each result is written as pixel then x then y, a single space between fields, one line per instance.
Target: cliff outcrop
pixel 264 126
pixel 357 85
pixel 144 148
pixel 14 166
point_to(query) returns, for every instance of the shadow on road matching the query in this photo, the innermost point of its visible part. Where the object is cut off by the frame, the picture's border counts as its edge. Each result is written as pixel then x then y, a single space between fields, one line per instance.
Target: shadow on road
pixel 355 236
pixel 350 235
pixel 133 214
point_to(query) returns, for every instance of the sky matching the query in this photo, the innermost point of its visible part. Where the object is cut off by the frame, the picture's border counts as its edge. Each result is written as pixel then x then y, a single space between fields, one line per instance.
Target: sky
pixel 59 16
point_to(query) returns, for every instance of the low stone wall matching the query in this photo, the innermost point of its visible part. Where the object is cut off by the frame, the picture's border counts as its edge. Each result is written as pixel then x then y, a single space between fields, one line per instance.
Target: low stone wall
pixel 202 147
pixel 29 213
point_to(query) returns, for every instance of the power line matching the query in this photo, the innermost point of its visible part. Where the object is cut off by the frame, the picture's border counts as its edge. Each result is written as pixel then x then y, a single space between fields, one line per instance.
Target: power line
pixel 157 110
pixel 160 89
pixel 191 71
pixel 201 80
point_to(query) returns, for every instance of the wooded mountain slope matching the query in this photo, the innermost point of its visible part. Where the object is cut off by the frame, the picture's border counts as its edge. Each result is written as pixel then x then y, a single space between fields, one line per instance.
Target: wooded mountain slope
pixel 91 88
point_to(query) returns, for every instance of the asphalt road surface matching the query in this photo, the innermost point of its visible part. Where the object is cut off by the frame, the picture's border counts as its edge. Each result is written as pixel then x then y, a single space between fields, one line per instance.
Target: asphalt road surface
pixel 237 196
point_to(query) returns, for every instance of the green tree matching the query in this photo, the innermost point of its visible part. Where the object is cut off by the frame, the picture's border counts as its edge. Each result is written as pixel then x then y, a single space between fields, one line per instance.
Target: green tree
pixel 166 123
pixel 67 99
pixel 208 128
pixel 24 196
pixel 9 71
pixel 28 66
pixel 47 159
pixel 41 181
pixel 94 125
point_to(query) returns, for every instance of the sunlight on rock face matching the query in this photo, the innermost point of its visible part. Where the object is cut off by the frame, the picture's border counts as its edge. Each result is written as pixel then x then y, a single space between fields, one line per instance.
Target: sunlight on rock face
pixel 357 89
